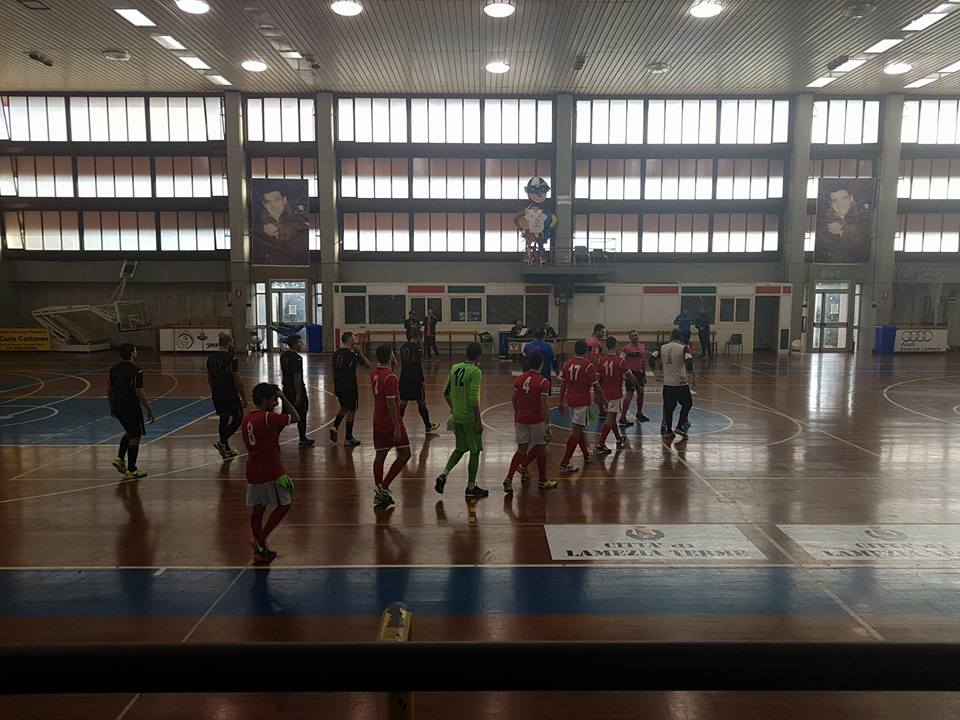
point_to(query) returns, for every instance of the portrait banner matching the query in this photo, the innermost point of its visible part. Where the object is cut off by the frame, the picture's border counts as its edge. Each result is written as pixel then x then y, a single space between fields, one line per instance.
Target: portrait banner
pixel 844 220
pixel 280 222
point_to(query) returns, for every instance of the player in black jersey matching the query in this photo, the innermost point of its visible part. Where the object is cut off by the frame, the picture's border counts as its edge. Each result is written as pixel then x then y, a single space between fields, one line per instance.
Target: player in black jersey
pixel 226 391
pixel 412 379
pixel 126 396
pixel 294 388
pixel 345 361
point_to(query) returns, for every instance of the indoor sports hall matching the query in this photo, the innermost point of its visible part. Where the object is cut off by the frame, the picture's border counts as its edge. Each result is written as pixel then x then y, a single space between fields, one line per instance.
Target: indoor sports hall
pixel 479 359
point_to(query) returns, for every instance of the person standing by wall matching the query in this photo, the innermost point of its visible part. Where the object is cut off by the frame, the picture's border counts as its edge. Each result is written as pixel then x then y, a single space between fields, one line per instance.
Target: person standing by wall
pixel 682 322
pixel 430 334
pixel 703 332
pixel 411 324
pixel 345 362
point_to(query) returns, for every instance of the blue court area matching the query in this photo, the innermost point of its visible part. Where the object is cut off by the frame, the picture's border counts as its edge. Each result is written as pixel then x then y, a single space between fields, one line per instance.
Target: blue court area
pixel 473 590
pixel 703 422
pixel 86 421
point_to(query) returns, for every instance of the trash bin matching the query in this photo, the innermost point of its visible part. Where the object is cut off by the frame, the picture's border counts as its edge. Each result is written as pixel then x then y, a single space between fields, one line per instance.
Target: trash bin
pixel 884 338
pixel 503 343
pixel 315 338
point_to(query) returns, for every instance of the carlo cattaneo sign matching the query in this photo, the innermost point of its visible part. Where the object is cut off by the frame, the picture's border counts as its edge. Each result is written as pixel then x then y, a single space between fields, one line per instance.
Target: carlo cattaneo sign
pixel 31 338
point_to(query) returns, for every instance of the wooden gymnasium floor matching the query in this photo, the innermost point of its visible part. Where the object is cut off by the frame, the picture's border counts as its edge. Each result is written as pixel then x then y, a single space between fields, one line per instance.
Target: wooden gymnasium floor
pixel 819 501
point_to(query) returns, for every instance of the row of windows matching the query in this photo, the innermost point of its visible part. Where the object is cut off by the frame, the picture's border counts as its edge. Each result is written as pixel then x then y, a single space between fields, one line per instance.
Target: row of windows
pixel 392 309
pixel 935 122
pixel 112 119
pixel 445 120
pixel 929 179
pixel 664 179
pixel 678 232
pixel 835 168
pixel 120 231
pixel 846 122
pixel 288 168
pixel 280 120
pixel 928 233
pixel 683 122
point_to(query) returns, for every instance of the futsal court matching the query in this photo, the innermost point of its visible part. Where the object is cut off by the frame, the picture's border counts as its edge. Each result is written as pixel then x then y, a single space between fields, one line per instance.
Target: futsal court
pixel 815 500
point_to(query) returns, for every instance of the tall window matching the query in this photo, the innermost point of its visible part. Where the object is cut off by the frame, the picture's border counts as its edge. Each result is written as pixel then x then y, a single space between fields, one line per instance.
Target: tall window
pixel 924 179
pixel 846 122
pixel 374 178
pixel 743 232
pixel 749 179
pixel 445 120
pixel 275 119
pixel 682 122
pixel 364 119
pixel 108 119
pixel 931 122
pixel 613 122
pixel 30 176
pixel 611 232
pixel 191 177
pixel 132 231
pixel 116 177
pixel 928 233
pixel 186 119
pixel 290 168
pixel 194 231
pixel 446 232
pixel 33 119
pixel 383 232
pixel 676 233
pixel 41 230
pixel 523 121
pixel 836 168
pixel 754 122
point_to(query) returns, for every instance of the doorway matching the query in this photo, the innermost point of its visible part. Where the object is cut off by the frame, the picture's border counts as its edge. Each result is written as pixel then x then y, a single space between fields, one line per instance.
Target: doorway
pixel 766 323
pixel 288 306
pixel 832 318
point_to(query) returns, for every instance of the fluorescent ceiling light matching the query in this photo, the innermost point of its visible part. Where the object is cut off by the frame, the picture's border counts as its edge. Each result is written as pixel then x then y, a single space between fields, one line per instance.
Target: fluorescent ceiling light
pixel 849 65
pixel 944 8
pixel 821 81
pixel 951 68
pixel 169 42
pixel 292 55
pixel 135 17
pixel 218 79
pixel 924 21
pixel 346 7
pixel 499 8
pixel 497 67
pixel 898 68
pixel 194 7
pixel 883 45
pixel 921 82
pixel 253 65
pixel 706 8
pixel 194 62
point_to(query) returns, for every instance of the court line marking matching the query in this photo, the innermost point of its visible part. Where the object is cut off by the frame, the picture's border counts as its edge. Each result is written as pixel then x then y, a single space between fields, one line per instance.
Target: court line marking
pixel 50 404
pixel 42 384
pixel 918 412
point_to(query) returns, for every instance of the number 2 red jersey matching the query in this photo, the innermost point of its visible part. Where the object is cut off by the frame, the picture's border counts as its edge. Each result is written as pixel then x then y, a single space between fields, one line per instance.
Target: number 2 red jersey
pixel 579 375
pixel 612 368
pixel 386 389
pixel 528 389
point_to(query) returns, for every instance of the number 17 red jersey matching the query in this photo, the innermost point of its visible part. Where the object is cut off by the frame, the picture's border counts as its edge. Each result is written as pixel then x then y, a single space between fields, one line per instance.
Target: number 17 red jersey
pixel 579 375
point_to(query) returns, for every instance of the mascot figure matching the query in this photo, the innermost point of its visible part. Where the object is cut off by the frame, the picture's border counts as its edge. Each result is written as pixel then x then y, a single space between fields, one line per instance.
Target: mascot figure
pixel 537 222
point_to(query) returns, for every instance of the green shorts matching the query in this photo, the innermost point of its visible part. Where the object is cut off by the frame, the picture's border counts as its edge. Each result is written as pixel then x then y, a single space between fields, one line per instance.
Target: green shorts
pixel 468 439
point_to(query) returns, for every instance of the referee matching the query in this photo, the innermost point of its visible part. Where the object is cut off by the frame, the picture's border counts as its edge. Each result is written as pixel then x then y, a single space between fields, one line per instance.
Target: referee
pixel 345 361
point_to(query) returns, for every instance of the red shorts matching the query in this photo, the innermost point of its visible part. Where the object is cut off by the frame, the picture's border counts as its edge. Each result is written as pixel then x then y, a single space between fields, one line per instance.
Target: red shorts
pixel 383 438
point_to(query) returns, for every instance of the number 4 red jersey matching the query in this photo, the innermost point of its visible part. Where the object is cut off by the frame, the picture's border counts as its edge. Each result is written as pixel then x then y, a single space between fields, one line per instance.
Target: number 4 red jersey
pixel 386 389
pixel 579 375
pixel 612 368
pixel 528 389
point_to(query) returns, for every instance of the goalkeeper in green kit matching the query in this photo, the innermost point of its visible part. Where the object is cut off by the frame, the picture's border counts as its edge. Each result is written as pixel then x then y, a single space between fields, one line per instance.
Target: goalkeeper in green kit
pixel 462 394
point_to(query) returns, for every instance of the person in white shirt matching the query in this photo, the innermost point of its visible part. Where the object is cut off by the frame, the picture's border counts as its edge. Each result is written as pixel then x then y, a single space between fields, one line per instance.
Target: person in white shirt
pixel 672 365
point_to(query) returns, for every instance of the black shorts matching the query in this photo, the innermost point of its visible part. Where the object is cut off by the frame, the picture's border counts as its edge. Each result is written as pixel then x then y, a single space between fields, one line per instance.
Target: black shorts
pixel 131 418
pixel 641 378
pixel 227 405
pixel 411 392
pixel 348 397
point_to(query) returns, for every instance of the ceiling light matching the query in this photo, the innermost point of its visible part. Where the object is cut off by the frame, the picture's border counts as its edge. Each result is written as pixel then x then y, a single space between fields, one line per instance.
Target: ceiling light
pixel 924 21
pixel 921 82
pixel 218 79
pixel 848 65
pixel 169 42
pixel 118 55
pixel 706 8
pixel 292 55
pixel 944 8
pixel 194 62
pixel 951 68
pixel 898 68
pixel 656 68
pixel 253 65
pixel 194 7
pixel 346 7
pixel 821 81
pixel 883 45
pixel 499 8
pixel 497 67
pixel 135 17
pixel 858 9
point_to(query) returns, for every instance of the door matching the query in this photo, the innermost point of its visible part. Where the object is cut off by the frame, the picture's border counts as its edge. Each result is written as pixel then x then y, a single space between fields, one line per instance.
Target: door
pixel 766 323
pixel 831 321
pixel 288 306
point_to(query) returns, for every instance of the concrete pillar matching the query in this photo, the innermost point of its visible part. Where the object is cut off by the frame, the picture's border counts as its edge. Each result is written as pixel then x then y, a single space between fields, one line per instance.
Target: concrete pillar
pixel 563 179
pixel 329 217
pixel 878 290
pixel 795 270
pixel 239 237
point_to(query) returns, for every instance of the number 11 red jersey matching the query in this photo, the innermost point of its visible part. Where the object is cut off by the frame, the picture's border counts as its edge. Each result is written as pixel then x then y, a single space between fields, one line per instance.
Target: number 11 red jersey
pixel 612 368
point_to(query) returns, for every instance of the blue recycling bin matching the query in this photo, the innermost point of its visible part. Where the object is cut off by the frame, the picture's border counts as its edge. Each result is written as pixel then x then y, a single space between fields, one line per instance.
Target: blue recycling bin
pixel 884 338
pixel 503 343
pixel 314 338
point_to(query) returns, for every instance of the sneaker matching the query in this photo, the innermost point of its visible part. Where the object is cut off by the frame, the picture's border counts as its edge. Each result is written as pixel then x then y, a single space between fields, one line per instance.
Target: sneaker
pixel 221 448
pixel 508 487
pixel 523 471
pixel 643 418
pixel 261 553
pixel 475 492
pixel 440 483
pixel 306 442
pixel 229 453
pixel 382 496
pixel 587 458
pixel 547 484
pixel 626 423
pixel 333 435
pixel 683 429
pixel 664 430
pixel 621 443
pixel 134 474
pixel 352 441
pixel 432 429
pixel 603 450
pixel 567 467
pixel 120 465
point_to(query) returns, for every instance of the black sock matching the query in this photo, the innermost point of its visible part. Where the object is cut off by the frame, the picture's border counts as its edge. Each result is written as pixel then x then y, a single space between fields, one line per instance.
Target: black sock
pixel 132 454
pixel 425 414
pixel 124 444
pixel 337 420
pixel 349 429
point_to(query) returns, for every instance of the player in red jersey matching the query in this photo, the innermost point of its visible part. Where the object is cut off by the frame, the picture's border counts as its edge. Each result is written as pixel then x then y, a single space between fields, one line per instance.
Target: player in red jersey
pixel 388 429
pixel 531 413
pixel 635 353
pixel 595 342
pixel 612 369
pixel 578 381
pixel 267 481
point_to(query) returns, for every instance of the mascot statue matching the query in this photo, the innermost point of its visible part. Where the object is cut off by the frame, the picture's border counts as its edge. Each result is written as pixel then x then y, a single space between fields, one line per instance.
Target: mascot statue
pixel 537 222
